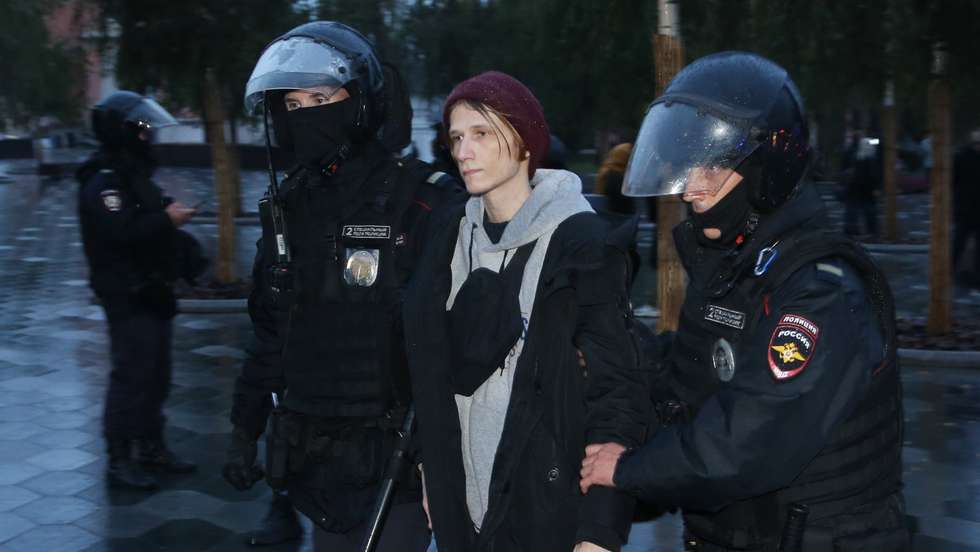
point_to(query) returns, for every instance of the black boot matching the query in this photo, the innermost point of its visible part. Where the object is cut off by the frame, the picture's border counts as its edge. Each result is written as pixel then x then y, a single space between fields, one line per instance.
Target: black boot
pixel 280 523
pixel 154 455
pixel 122 472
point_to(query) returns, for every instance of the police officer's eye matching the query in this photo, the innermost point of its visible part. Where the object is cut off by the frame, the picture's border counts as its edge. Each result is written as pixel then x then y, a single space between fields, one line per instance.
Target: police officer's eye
pixel 292 105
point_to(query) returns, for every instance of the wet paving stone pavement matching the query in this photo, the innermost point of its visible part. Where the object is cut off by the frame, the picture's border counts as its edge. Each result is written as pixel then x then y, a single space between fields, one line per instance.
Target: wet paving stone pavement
pixel 54 364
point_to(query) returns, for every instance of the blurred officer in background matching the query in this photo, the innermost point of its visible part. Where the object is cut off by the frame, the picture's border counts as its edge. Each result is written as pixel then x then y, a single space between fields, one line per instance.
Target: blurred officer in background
pixel 129 230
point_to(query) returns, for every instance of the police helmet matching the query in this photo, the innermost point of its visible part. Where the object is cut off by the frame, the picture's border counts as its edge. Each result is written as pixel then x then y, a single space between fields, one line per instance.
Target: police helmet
pixel 317 55
pixel 120 118
pixel 718 112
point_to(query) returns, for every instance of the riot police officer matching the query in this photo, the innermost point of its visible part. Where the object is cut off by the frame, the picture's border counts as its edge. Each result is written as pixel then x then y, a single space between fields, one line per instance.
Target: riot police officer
pixel 779 395
pixel 341 236
pixel 129 231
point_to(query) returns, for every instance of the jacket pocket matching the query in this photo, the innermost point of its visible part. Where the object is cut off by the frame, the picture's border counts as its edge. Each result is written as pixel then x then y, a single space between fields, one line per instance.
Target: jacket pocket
pixel 546 480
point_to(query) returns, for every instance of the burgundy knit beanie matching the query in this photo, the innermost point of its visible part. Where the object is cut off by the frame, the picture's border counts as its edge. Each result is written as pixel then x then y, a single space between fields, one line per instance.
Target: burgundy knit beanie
pixel 510 97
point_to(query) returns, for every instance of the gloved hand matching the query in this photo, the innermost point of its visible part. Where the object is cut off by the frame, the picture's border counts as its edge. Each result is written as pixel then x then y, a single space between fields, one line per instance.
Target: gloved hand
pixel 240 470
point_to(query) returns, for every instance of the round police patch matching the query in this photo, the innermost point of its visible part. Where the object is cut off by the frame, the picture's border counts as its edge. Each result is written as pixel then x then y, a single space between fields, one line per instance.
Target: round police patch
pixel 791 346
pixel 361 268
pixel 723 358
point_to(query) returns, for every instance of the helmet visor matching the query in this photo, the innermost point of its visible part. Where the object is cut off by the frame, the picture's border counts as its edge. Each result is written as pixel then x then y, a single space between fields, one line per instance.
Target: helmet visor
pixel 149 115
pixel 683 149
pixel 296 63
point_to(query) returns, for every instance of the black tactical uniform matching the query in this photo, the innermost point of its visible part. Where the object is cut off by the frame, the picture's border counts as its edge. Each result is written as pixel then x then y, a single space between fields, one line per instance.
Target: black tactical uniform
pixel 328 340
pixel 780 389
pixel 132 248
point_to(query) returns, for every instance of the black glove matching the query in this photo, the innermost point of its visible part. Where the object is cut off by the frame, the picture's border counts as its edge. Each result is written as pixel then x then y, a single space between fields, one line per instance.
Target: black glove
pixel 240 470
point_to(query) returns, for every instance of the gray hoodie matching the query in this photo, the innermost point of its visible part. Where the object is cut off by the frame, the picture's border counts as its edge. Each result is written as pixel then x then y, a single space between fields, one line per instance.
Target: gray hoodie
pixel 555 196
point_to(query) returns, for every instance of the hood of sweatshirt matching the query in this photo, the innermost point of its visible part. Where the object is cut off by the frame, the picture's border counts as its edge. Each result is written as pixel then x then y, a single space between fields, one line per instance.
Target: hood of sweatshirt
pixel 555 196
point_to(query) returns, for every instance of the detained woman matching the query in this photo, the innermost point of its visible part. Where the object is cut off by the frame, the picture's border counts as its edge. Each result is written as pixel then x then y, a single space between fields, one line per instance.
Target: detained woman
pixel 519 346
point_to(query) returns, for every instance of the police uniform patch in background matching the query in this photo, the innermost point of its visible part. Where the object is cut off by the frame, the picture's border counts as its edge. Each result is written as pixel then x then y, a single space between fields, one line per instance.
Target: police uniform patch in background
pixel 791 346
pixel 367 231
pixel 112 200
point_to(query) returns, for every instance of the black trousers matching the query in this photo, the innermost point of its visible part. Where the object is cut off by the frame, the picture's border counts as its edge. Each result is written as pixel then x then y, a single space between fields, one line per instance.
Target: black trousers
pixel 404 530
pixel 963 228
pixel 139 382
pixel 865 208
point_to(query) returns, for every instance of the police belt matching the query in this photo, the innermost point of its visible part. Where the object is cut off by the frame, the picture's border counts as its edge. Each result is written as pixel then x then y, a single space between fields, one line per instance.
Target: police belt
pixel 314 435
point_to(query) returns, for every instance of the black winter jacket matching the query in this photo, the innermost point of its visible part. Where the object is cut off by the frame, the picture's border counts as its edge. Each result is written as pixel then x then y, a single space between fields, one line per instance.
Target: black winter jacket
pixel 807 365
pixel 556 407
pixel 129 240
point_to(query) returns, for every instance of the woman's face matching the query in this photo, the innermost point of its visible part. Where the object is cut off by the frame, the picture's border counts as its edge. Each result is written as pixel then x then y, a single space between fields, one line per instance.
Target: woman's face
pixel 485 150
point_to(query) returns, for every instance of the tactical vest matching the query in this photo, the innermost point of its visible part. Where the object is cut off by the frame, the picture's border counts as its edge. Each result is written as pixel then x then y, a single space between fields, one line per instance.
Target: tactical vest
pixel 342 355
pixel 861 462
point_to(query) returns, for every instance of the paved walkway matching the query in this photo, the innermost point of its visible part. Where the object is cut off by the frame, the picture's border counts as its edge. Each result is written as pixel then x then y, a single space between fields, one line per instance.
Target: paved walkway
pixel 54 363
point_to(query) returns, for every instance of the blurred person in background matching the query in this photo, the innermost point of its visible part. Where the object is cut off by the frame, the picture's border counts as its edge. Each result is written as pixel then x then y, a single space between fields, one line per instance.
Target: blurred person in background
pixel 966 197
pixel 131 241
pixel 864 182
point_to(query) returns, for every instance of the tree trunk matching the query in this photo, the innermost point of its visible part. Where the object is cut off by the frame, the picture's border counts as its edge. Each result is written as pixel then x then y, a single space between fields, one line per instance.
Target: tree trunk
pixel 668 59
pixel 224 176
pixel 889 138
pixel 940 320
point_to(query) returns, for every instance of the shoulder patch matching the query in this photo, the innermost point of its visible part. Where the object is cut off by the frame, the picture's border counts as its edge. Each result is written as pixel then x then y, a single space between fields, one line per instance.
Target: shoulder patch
pixel 830 269
pixel 111 199
pixel 791 346
pixel 434 177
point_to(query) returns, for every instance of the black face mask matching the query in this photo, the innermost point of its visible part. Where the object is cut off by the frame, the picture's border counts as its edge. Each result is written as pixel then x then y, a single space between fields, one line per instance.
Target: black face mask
pixel 137 153
pixel 320 133
pixel 729 215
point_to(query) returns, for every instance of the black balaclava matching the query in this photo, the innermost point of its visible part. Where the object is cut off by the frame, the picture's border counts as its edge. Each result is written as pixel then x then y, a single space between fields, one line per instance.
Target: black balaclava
pixel 320 133
pixel 136 154
pixel 734 214
pixel 729 215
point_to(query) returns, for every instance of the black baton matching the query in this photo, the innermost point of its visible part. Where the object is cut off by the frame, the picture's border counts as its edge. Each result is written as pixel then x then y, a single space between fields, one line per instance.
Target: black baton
pixel 792 539
pixel 395 464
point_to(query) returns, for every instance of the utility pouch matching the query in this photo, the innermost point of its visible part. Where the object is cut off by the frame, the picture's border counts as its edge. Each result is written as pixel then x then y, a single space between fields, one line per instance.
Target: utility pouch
pixel 337 483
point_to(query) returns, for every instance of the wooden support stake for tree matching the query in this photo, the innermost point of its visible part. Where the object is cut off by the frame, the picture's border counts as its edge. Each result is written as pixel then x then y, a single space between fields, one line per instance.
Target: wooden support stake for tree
pixel 671 280
pixel 940 320
pixel 224 185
